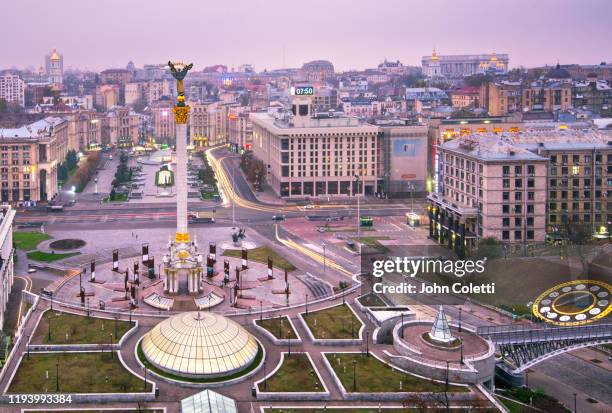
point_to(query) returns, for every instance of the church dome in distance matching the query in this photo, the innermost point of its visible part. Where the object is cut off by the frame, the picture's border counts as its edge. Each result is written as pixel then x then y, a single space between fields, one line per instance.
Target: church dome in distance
pixel 558 73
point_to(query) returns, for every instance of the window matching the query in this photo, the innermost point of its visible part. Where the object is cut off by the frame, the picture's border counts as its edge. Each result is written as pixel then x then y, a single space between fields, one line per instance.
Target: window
pixel 518 170
pixel 505 234
pixel 506 183
pixel 531 170
pixel 518 209
pixel 518 196
pixel 506 222
pixel 506 209
pixel 506 196
pixel 518 183
pixel 530 196
pixel 518 235
pixel 518 222
pixel 553 183
pixel 530 221
pixel 530 234
pixel 530 183
pixel 506 170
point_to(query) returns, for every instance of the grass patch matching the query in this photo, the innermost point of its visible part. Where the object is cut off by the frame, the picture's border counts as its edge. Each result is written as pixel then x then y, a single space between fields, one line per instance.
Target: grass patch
pixel 336 322
pixel 81 329
pixel 296 374
pixel 515 407
pixel 28 240
pixel 78 373
pixel 276 328
pixel 48 256
pixel 143 359
pixel 374 376
pixel 372 242
pixel 371 300
pixel 261 254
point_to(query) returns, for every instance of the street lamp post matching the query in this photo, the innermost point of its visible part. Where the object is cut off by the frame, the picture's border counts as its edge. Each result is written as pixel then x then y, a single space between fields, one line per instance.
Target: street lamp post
pixel 460 319
pixel 145 378
pixel 306 304
pixel 57 376
pixel 354 375
pixel 111 345
pixel 260 310
pixel 324 258
pixel 358 180
pixel 28 345
pixel 575 407
pixel 49 332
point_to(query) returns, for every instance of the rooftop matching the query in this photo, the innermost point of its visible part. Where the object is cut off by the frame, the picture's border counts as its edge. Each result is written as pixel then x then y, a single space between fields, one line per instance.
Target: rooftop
pixel 38 129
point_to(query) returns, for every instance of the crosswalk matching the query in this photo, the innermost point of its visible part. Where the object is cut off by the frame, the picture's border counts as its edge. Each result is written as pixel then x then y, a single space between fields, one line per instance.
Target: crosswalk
pixel 93 218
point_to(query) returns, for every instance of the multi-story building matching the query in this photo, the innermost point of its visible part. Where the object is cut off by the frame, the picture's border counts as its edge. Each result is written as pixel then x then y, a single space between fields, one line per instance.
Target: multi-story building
pixel 116 76
pixel 29 158
pixel 403 156
pixel 7 215
pixel 308 154
pixel 489 187
pixel 54 68
pixel 240 130
pixel 593 95
pixel 467 97
pixel 85 130
pixel 121 127
pixel 107 96
pixel 12 89
pixel 522 187
pixel 162 121
pixel 503 98
pixel 456 66
pixel 318 71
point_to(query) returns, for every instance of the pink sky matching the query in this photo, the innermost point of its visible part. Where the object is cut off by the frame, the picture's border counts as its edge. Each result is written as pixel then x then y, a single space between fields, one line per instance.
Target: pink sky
pixel 353 34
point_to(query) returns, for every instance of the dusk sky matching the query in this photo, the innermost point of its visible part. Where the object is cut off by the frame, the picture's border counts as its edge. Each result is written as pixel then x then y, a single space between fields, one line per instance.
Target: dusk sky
pixel 353 34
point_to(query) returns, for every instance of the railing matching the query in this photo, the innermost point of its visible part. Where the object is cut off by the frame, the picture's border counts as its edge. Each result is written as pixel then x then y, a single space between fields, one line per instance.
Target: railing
pixel 529 333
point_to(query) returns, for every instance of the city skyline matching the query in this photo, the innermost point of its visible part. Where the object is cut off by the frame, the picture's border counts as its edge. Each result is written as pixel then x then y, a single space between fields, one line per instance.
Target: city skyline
pixel 270 34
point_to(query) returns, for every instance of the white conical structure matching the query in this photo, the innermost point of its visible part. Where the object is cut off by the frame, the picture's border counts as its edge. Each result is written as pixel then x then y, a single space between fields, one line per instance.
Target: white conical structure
pixel 440 331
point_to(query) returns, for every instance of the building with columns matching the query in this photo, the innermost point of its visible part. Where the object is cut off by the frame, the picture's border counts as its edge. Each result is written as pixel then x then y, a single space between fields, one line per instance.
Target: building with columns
pixel 29 158
pixel 7 215
pixel 456 66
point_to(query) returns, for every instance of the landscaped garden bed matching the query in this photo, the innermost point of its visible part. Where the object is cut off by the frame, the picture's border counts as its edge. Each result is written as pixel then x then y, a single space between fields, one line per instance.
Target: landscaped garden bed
pixel 279 327
pixel 338 322
pixel 359 372
pixel 28 240
pixel 69 328
pixel 295 375
pixel 78 373
pixel 261 254
pixel 43 256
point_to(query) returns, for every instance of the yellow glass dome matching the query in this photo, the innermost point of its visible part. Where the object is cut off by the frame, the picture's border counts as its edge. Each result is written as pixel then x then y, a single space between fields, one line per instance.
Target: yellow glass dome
pixel 55 55
pixel 199 344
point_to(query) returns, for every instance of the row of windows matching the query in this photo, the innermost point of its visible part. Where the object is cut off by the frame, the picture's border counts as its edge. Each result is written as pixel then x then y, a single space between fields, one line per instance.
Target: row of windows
pixel 553 206
pixel 577 158
pixel 518 235
pixel 517 209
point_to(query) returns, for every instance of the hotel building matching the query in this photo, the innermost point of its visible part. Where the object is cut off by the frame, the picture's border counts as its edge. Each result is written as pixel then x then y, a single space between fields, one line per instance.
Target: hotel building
pixel 12 89
pixel 521 187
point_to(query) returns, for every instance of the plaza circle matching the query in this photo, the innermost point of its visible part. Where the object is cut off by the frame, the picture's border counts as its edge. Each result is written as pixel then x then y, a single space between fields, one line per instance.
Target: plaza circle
pixel 199 345
pixel 558 305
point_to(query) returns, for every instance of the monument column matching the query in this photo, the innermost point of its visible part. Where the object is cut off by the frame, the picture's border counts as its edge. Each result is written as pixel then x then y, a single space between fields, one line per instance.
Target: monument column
pixel 182 234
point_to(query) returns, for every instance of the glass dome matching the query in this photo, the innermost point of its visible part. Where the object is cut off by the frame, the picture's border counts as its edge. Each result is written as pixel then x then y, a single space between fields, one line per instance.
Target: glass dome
pixel 199 344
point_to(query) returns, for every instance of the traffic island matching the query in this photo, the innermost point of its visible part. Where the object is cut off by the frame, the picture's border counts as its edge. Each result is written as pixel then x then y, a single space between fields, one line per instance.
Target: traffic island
pixel 363 376
pixel 337 325
pixel 67 329
pixel 294 378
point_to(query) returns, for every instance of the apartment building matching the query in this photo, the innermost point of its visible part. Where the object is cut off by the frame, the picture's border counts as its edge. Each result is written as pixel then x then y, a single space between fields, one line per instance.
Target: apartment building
pixel 7 215
pixel 504 98
pixel 29 157
pixel 308 154
pixel 162 120
pixel 12 89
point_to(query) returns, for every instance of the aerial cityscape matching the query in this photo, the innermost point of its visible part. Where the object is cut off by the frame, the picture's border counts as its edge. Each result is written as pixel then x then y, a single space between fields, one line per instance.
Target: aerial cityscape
pixel 305 207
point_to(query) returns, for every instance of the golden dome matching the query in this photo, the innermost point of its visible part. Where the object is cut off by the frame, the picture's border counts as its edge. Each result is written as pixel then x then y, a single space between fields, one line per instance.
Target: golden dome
pixel 199 344
pixel 434 56
pixel 55 55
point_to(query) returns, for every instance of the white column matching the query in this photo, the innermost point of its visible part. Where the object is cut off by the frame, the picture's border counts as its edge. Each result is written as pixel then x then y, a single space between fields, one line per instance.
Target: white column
pixel 181 178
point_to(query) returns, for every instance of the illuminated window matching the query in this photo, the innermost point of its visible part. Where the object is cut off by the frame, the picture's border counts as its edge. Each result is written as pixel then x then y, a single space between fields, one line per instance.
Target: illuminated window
pixel 575 170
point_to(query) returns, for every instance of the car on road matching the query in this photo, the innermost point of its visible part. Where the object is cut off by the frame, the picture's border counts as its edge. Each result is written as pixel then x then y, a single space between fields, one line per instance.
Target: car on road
pixel 278 218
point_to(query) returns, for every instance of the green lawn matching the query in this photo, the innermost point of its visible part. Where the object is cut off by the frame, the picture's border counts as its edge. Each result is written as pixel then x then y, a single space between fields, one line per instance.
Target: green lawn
pixel 373 242
pixel 81 329
pixel 274 326
pixel 28 240
pixel 376 377
pixel 515 407
pixel 371 300
pixel 261 254
pixel 49 257
pixel 78 373
pixel 336 322
pixel 296 374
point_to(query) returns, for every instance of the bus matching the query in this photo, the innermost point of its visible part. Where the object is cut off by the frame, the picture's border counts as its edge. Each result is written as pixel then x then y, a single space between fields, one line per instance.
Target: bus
pixel 413 219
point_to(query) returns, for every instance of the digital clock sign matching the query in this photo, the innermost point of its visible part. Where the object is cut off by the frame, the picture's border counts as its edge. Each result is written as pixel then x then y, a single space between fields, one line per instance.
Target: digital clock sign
pixel 302 90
